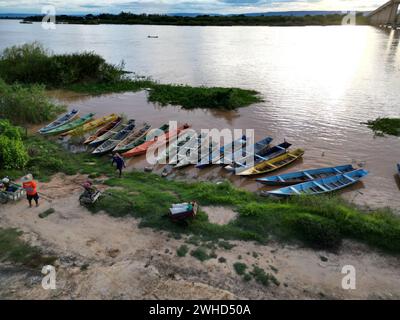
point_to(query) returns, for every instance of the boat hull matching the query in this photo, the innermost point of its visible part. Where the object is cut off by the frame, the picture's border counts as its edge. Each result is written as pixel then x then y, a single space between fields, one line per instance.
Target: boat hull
pixel 320 186
pixel 293 178
pixel 68 117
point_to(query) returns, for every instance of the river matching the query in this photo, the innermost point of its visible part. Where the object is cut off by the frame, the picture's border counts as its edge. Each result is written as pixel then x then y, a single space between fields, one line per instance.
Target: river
pixel 318 83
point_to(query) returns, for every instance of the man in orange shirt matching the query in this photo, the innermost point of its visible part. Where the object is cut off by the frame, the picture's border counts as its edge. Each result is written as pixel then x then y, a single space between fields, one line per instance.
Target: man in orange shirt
pixel 30 186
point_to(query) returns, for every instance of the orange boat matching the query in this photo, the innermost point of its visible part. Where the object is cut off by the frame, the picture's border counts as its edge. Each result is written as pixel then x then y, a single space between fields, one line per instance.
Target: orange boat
pixel 141 149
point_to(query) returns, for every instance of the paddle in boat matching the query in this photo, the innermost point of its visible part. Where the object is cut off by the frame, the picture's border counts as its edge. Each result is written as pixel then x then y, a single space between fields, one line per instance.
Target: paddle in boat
pixel 269 154
pixel 129 142
pixel 71 125
pixel 273 164
pixel 91 125
pixel 110 144
pixel 320 186
pixel 141 149
pixel 291 178
pixel 60 121
pixel 109 126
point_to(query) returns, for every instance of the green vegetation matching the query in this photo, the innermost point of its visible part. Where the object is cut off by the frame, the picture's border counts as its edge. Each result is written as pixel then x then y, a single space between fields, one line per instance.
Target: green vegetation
pixel 47 158
pixel 26 104
pixel 87 72
pixel 200 253
pixel 13 249
pixel 262 277
pixel 182 250
pixel 31 63
pixel 204 20
pixel 13 154
pixel 46 213
pixel 202 97
pixel 240 268
pixel 385 125
pixel 317 221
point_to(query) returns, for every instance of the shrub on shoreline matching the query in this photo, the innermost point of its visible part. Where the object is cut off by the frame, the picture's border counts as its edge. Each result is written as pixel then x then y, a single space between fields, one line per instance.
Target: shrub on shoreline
pixel 26 104
pixel 13 154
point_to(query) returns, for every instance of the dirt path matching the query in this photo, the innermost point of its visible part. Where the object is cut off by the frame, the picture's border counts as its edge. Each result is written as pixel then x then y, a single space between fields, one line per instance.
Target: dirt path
pixel 101 257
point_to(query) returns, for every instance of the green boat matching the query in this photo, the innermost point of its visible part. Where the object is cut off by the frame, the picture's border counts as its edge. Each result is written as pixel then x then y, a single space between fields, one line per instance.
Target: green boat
pixel 71 125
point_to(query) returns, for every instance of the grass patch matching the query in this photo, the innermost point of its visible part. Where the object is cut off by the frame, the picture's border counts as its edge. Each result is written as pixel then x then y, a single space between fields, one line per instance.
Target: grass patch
pixel 202 97
pixel 321 222
pixel 13 249
pixel 240 268
pixel 47 158
pixel 389 126
pixel 201 254
pixel 262 277
pixel 182 251
pixel 46 213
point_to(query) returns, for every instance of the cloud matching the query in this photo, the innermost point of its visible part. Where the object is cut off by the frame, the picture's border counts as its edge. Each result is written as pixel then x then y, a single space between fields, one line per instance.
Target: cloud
pixel 201 6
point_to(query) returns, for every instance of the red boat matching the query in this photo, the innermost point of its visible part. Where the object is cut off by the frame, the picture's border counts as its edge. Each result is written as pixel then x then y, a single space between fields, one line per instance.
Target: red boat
pixel 141 149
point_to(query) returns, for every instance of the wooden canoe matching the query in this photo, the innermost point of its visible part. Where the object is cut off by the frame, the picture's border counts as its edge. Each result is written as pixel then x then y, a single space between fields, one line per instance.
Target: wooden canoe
pixel 71 125
pixel 141 149
pixel 169 155
pixel 129 142
pixel 269 154
pixel 321 186
pixel 103 130
pixel 291 178
pixel 91 125
pixel 60 121
pixel 218 154
pixel 273 164
pixel 189 153
pixel 110 144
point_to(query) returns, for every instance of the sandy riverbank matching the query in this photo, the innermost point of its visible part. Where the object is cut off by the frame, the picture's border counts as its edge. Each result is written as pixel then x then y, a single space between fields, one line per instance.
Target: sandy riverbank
pixel 101 257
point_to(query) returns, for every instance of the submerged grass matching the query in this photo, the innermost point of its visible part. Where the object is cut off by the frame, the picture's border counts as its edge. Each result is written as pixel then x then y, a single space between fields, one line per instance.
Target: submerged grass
pixel 13 249
pixel 389 126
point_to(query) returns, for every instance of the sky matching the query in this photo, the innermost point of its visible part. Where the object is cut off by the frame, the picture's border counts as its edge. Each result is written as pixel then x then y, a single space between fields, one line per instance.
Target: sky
pixel 186 6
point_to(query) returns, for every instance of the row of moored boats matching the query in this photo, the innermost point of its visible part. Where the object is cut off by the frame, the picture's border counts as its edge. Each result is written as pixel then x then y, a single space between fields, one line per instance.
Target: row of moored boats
pixel 112 134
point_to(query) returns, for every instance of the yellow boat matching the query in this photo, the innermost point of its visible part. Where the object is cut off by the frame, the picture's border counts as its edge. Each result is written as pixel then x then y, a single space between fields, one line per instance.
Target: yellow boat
pixel 273 164
pixel 91 125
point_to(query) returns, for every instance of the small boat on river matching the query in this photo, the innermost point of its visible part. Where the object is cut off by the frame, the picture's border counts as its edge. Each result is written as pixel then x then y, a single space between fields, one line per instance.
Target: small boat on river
pixel 71 125
pixel 112 142
pixel 273 164
pixel 60 121
pixel 291 178
pixel 103 130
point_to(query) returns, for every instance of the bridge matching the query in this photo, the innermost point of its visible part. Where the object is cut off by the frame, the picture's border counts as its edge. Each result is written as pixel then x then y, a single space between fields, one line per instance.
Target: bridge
pixel 386 15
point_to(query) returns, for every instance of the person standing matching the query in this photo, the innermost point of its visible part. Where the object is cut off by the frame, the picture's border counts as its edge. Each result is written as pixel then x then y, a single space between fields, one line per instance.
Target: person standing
pixel 120 163
pixel 30 186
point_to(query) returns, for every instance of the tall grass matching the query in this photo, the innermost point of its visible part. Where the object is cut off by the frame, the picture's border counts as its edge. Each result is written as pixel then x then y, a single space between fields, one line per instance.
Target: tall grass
pixel 32 63
pixel 26 104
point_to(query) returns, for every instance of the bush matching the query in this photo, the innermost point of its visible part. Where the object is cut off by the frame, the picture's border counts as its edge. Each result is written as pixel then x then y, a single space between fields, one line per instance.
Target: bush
pixel 31 63
pixel 240 268
pixel 26 104
pixel 13 154
pixel 182 251
pixel 318 232
pixel 200 254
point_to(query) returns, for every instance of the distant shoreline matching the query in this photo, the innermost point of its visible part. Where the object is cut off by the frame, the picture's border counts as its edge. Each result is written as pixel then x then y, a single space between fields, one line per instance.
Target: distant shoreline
pixel 203 20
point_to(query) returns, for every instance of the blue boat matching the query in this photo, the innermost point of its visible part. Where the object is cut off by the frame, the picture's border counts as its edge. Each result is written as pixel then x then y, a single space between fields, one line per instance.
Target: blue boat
pixel 320 186
pixel 60 121
pixel 291 178
pixel 214 156
pixel 267 154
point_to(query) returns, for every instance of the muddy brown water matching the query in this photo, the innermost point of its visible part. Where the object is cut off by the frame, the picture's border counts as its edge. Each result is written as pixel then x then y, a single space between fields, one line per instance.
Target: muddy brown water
pixel 318 84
